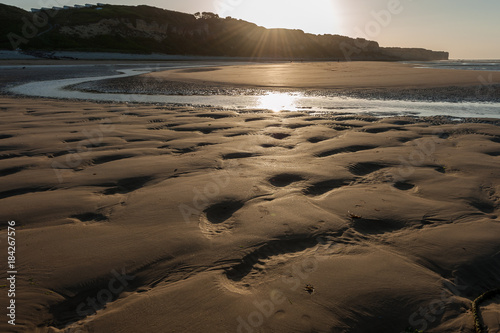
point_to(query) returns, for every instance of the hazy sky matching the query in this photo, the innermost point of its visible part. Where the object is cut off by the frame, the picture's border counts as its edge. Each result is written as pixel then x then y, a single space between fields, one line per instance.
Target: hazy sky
pixel 466 28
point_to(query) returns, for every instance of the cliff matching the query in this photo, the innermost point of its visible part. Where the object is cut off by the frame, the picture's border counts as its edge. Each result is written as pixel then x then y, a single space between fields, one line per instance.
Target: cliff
pixel 415 54
pixel 145 29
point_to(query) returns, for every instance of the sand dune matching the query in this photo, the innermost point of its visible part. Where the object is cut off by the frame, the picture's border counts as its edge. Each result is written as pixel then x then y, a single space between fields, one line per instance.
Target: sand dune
pixel 142 218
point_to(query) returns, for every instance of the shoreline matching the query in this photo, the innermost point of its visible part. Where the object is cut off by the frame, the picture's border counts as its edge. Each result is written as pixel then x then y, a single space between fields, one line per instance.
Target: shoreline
pixel 378 82
pixel 150 86
pixel 436 119
pixel 326 114
pixel 480 101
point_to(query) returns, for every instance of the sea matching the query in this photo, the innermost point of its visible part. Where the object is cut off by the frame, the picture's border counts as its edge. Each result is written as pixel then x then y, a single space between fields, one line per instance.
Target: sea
pixel 473 65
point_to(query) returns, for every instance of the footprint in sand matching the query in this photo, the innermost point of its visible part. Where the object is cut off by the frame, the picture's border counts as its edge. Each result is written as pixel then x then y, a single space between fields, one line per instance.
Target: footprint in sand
pixel 90 217
pixel 404 186
pixel 317 139
pixel 217 219
pixel 349 149
pixel 285 179
pixel 326 186
pixel 279 136
pixel 233 156
pixel 365 168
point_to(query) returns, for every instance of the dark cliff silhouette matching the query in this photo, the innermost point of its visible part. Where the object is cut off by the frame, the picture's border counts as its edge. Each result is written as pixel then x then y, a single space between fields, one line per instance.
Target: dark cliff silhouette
pixel 145 29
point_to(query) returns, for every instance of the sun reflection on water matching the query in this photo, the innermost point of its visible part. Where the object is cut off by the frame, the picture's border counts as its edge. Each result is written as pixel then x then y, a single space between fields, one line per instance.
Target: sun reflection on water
pixel 278 102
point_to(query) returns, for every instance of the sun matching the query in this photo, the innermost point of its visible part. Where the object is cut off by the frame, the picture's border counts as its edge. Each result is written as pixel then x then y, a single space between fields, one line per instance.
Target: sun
pixel 312 16
pixel 278 102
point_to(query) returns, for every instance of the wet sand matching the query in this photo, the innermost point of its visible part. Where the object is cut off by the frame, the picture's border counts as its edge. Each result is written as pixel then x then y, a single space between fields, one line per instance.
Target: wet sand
pixel 137 218
pixel 374 80
pixel 331 75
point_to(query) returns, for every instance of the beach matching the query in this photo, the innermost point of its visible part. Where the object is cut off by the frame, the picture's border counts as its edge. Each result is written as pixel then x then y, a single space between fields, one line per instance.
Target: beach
pixel 310 75
pixel 362 79
pixel 136 217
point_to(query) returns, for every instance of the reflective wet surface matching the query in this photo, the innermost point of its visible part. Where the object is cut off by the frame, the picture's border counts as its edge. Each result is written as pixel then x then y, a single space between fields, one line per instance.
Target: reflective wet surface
pixel 254 99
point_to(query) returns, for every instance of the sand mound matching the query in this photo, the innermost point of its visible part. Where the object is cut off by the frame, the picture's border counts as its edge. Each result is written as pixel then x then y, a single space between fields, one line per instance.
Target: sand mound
pixel 134 218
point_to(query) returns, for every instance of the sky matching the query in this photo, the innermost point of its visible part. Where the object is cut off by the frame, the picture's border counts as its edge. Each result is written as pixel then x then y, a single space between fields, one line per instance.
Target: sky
pixel 468 29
